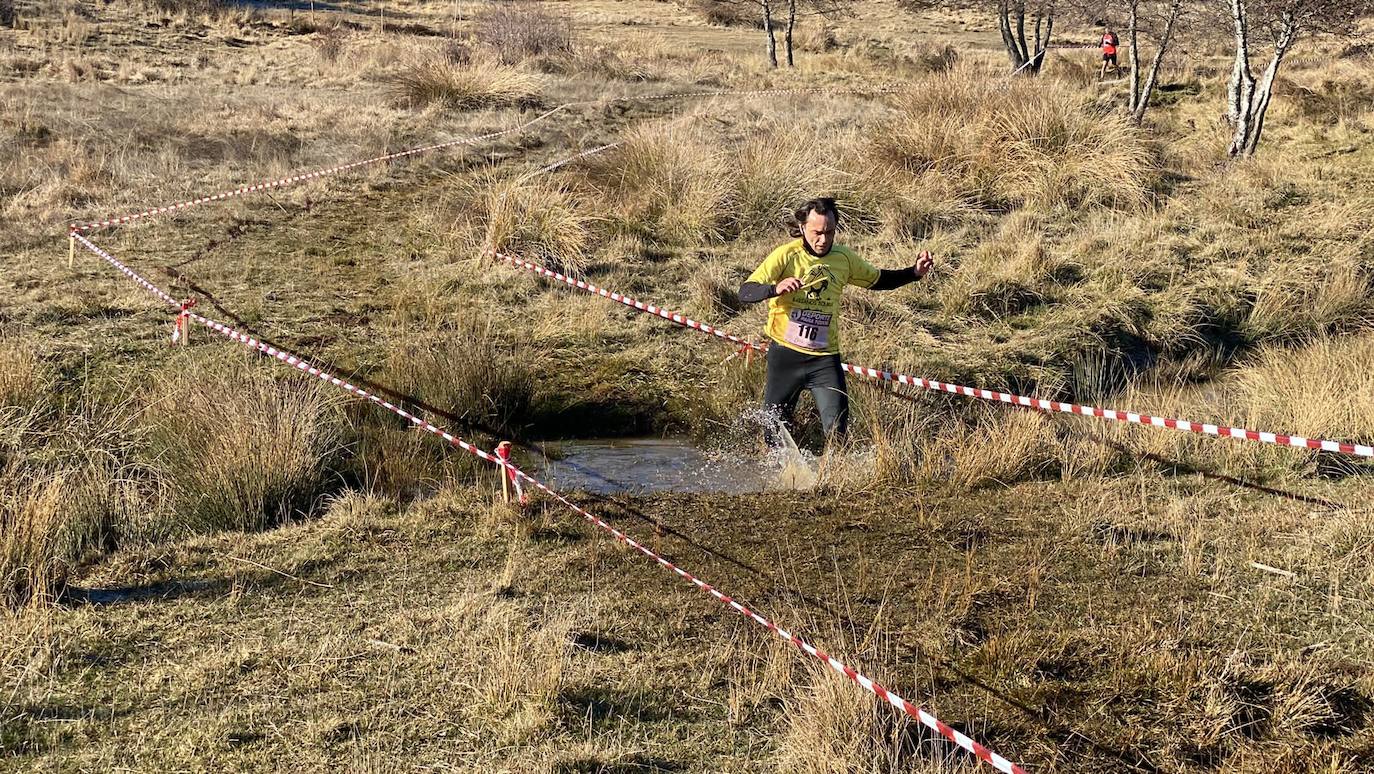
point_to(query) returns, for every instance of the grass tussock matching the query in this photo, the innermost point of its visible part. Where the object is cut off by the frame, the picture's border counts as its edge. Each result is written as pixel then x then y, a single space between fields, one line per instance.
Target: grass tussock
pixel 1275 393
pixel 667 182
pixel 68 482
pixel 1007 275
pixel 239 449
pixel 725 13
pixel 1016 143
pixel 470 373
pixel 534 219
pixel 440 82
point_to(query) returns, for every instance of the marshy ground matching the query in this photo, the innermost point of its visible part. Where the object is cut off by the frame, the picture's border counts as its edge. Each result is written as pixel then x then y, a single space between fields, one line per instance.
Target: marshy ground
pixel 208 562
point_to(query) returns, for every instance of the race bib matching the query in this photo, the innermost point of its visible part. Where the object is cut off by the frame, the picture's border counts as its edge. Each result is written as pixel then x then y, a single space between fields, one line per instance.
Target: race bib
pixel 808 329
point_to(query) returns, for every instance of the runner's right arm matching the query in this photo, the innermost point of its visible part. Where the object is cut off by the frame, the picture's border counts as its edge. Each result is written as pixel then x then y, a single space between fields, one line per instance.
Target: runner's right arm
pixel 763 283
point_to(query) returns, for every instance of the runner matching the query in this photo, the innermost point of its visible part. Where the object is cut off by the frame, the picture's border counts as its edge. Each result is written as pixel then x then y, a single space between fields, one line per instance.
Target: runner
pixel 802 280
pixel 1109 43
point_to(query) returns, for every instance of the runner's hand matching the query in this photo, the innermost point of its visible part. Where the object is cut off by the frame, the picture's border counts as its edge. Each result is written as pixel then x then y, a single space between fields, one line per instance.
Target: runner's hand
pixel 786 286
pixel 924 263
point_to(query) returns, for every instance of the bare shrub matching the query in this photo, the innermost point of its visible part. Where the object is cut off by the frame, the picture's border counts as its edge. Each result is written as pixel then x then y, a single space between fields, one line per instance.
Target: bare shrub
pixel 521 30
pixel 438 81
pixel 8 16
pixel 329 43
pixel 240 450
pixel 724 13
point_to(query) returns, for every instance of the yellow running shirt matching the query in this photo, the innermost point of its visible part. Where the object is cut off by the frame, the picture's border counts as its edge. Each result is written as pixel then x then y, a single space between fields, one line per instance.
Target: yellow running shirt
pixel 808 319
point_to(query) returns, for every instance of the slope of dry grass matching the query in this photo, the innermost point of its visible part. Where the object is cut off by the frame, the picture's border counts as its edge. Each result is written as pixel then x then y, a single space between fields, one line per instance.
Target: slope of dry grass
pixel 204 562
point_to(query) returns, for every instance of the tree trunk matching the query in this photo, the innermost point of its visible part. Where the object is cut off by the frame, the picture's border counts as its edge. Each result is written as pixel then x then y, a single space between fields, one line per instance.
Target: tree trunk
pixel 1265 92
pixel 768 28
pixel 1014 39
pixel 1133 40
pixel 1043 44
pixel 1143 103
pixel 1242 82
pixel 1247 102
pixel 791 25
pixel 1021 29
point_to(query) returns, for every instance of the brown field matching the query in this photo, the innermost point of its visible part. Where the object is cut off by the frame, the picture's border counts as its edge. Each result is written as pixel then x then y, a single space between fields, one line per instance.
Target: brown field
pixel 209 562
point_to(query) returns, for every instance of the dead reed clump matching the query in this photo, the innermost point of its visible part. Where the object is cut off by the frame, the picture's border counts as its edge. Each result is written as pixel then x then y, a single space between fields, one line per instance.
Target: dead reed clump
pixel 666 181
pixel 522 30
pixel 239 449
pixel 438 81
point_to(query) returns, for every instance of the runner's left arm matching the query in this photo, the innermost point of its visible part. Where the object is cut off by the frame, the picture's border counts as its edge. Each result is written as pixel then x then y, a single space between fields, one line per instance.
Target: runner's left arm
pixel 863 274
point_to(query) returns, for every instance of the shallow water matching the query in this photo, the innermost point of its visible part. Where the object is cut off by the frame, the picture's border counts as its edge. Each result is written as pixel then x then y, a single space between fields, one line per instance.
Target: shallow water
pixel 641 465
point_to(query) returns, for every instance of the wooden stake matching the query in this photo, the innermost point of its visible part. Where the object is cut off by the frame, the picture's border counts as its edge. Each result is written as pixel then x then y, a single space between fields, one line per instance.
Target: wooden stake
pixel 71 250
pixel 503 452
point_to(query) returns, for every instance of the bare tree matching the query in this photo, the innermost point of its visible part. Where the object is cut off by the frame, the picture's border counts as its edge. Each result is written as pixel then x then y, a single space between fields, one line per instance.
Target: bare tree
pixel 1011 21
pixel 1282 22
pixel 1026 55
pixel 1142 16
pixel 767 8
pixel 820 9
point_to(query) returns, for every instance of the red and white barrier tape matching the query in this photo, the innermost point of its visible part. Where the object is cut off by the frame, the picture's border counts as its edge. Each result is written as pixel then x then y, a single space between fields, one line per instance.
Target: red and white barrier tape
pixel 286 357
pixel 120 220
pixel 304 176
pixel 921 715
pixel 624 299
pixel 925 718
pixel 1131 417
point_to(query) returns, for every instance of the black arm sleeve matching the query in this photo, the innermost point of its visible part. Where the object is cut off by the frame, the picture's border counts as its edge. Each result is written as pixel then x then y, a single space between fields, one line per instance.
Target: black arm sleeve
pixel 891 279
pixel 754 292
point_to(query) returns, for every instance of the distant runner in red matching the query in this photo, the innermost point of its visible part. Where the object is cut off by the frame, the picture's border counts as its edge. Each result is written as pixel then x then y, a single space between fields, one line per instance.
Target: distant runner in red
pixel 1109 43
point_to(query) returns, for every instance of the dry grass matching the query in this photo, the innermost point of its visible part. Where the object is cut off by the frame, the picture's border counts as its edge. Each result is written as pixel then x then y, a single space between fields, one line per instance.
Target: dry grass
pixel 1059 573
pixel 240 449
pixel 1016 143
pixel 534 219
pixel 666 182
pixel 439 82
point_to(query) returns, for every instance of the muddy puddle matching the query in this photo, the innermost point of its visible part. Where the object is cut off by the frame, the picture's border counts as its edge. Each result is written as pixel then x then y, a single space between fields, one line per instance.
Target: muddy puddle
pixel 647 465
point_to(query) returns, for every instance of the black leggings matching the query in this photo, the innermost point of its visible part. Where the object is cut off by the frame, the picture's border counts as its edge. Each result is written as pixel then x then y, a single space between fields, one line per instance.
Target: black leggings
pixel 790 372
